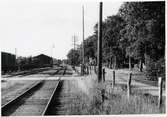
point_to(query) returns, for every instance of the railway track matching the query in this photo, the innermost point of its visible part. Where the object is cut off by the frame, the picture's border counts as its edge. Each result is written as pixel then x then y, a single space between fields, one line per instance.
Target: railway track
pixel 14 89
pixel 34 101
pixel 49 106
pixel 27 72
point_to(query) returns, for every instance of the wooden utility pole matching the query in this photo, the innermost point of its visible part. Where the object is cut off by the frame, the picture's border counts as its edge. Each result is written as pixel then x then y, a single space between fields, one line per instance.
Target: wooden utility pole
pixel 130 66
pixel 160 91
pixel 16 56
pixel 129 85
pixel 83 49
pixel 52 51
pixel 83 35
pixel 74 40
pixel 99 58
pixel 16 62
pixel 113 80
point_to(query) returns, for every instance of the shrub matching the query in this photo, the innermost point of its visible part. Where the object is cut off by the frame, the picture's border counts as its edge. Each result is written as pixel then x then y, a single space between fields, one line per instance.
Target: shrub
pixel 155 69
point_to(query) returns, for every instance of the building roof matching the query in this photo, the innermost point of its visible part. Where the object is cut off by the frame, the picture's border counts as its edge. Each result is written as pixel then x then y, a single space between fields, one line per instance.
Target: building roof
pixel 6 53
pixel 42 55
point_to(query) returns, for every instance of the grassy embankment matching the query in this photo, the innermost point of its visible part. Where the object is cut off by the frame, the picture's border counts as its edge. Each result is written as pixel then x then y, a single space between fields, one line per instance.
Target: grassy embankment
pixel 115 102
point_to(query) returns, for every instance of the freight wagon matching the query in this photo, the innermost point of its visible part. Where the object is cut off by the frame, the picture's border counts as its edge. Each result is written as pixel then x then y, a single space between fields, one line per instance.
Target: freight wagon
pixel 8 62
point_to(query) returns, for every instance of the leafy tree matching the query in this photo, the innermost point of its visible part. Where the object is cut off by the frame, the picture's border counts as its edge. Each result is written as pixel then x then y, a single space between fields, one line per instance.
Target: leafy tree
pixel 90 47
pixel 74 57
pixel 144 33
pixel 142 19
pixel 111 39
pixel 136 32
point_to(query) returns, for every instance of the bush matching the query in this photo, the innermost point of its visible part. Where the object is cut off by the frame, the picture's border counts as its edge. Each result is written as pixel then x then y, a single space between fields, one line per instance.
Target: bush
pixel 155 69
pixel 160 64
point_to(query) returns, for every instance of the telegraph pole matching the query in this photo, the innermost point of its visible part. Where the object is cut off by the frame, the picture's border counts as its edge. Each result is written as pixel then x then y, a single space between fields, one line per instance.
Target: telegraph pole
pixel 83 35
pixel 99 58
pixel 16 57
pixel 52 51
pixel 74 39
pixel 83 59
pixel 16 53
pixel 16 63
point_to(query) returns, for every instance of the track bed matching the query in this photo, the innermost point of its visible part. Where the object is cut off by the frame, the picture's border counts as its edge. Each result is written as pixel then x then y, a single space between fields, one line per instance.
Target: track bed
pixel 34 102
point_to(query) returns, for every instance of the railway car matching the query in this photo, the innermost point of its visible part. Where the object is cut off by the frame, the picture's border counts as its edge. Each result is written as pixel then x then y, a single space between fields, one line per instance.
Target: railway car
pixel 8 62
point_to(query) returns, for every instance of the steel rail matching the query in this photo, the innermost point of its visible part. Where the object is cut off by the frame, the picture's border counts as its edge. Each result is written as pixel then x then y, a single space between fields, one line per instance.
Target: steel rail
pixel 10 103
pixel 47 108
pixel 50 99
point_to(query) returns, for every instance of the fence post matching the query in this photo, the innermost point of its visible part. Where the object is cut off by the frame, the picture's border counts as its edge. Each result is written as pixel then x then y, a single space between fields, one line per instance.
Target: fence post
pixel 95 68
pixel 87 69
pixel 160 91
pixel 103 94
pixel 129 85
pixel 113 81
pixel 90 69
pixel 104 74
pixel 81 70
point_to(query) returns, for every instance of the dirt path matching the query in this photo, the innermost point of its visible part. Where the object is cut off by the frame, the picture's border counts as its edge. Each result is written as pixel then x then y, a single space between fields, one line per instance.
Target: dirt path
pixel 122 77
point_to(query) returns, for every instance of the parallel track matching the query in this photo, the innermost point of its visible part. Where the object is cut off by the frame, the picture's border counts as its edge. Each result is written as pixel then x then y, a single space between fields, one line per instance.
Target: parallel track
pixel 27 98
pixel 31 72
pixel 8 105
pixel 49 105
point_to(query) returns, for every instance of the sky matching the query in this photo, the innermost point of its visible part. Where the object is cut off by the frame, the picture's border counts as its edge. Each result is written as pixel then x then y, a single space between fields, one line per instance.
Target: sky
pixel 32 27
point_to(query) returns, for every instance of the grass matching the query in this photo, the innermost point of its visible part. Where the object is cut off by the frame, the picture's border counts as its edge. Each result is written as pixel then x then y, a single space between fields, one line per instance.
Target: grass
pixel 115 102
pixel 118 103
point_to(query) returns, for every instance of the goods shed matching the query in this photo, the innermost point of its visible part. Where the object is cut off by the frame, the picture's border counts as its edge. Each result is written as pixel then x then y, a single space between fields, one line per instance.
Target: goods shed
pixel 43 60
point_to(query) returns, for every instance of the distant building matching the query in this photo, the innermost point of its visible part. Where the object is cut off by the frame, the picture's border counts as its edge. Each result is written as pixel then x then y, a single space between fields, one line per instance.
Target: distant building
pixel 56 61
pixel 42 60
pixel 9 62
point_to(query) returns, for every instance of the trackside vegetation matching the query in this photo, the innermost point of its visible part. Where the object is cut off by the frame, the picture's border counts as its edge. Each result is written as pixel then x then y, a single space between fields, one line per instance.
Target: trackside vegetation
pixel 134 38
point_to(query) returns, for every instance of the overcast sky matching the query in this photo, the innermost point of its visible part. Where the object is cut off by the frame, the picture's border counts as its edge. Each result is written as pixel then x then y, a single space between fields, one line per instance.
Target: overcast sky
pixel 34 26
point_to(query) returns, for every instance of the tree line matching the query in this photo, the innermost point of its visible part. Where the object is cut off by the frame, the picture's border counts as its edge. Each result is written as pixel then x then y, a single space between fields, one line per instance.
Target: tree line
pixel 133 38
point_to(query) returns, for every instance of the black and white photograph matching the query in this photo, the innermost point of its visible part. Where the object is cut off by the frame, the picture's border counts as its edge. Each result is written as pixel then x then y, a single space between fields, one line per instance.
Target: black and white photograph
pixel 82 58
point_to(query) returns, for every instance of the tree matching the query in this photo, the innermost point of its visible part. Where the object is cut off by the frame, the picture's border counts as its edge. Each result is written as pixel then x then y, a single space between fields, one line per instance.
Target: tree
pixel 74 57
pixel 145 24
pixel 144 32
pixel 90 47
pixel 111 39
